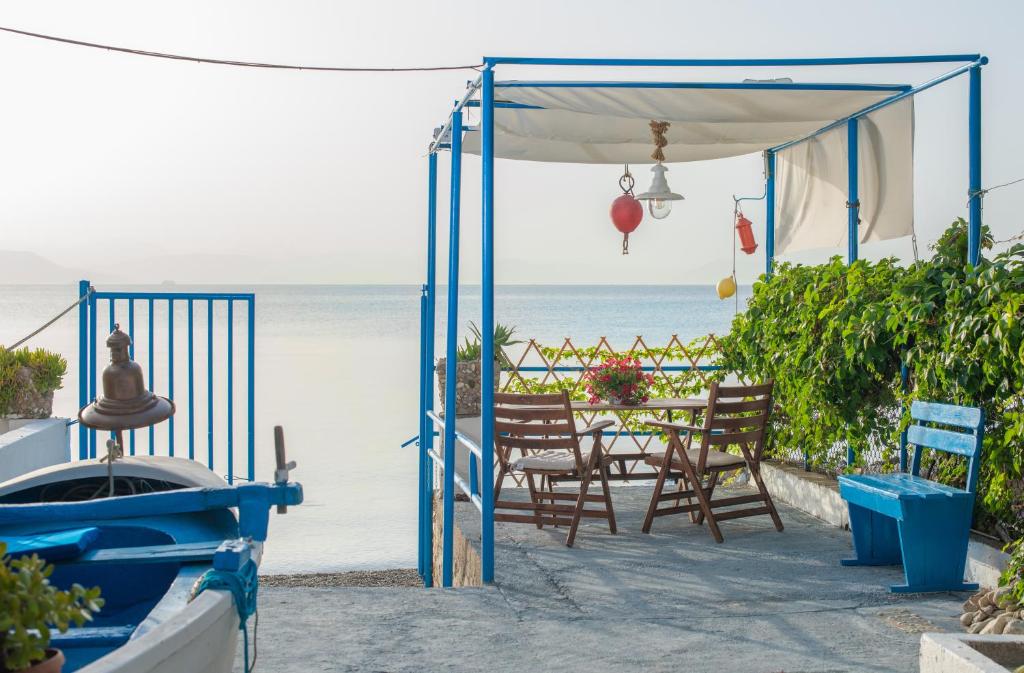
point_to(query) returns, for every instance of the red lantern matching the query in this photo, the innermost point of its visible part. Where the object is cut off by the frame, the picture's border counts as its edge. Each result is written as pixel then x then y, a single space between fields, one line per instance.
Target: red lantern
pixel 626 215
pixel 747 242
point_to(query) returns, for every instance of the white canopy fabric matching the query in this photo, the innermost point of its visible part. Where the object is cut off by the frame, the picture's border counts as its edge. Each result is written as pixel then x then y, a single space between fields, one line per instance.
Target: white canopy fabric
pixel 608 123
pixel 811 183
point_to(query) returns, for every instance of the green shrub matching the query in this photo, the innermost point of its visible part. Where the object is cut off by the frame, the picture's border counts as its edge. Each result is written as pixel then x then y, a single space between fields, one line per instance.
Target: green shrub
pixel 1013 576
pixel 47 371
pixel 31 607
pixel 834 337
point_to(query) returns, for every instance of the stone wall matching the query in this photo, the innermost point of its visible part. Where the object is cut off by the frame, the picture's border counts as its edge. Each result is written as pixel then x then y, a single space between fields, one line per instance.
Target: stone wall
pixel 465 558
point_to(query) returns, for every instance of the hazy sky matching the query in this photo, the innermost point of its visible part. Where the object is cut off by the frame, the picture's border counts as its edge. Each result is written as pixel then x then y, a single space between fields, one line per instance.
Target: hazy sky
pixel 321 176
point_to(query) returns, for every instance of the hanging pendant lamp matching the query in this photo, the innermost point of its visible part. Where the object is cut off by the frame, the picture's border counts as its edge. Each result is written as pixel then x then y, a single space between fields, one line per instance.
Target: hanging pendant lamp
pixel 659 196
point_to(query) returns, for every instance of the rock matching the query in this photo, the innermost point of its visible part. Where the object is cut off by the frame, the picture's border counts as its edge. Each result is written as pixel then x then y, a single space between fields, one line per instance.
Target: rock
pixel 1014 627
pixel 981 616
pixel 977 627
pixel 989 609
pixel 986 600
pixel 1002 597
pixel 28 402
pixel 967 618
pixel 996 626
pixel 971 604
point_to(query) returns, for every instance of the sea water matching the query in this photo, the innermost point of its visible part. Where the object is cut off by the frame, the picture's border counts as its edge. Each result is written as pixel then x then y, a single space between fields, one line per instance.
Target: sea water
pixel 338 367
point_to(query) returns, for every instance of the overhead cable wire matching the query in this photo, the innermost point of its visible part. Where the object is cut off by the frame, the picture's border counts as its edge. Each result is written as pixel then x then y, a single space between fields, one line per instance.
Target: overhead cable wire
pixel 53 320
pixel 238 64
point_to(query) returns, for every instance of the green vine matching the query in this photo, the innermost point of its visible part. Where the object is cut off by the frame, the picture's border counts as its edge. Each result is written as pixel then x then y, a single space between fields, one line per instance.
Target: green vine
pixel 834 337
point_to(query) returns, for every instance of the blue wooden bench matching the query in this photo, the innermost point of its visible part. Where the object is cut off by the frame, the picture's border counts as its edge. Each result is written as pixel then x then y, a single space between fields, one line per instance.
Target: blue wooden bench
pixel 906 518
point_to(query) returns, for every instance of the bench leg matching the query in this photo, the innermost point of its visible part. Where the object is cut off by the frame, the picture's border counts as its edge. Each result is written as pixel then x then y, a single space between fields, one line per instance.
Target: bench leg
pixel 876 540
pixel 934 544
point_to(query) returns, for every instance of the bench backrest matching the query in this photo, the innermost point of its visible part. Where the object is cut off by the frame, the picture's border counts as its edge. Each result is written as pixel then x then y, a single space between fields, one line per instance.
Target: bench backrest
pixel 967 443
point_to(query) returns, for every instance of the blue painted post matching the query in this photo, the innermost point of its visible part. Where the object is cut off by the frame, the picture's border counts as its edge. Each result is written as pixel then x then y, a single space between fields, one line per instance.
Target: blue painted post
pixel 769 216
pixel 209 383
pixel 250 399
pixel 170 373
pixel 92 367
pixel 152 383
pixel 231 392
pixel 131 353
pixel 421 509
pixel 974 152
pixel 853 192
pixel 487 328
pixel 448 491
pixel 427 437
pixel 83 367
pixel 852 222
pixel 905 380
pixel 191 387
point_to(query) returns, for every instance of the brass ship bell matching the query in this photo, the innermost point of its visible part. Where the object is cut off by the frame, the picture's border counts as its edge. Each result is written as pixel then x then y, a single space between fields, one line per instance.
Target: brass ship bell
pixel 126 403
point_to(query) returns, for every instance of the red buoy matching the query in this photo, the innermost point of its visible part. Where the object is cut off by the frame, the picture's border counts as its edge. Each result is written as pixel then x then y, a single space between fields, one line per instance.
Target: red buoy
pixel 747 242
pixel 626 214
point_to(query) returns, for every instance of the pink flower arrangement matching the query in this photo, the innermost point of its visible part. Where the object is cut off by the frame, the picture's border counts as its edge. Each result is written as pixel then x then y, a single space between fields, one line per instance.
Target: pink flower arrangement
pixel 618 380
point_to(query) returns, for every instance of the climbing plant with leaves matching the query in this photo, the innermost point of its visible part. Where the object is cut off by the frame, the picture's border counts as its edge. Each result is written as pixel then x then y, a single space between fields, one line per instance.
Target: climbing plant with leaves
pixel 834 337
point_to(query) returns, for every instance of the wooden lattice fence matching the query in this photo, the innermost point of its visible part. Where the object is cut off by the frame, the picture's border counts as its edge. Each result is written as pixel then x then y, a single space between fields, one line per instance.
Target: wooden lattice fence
pixel 679 370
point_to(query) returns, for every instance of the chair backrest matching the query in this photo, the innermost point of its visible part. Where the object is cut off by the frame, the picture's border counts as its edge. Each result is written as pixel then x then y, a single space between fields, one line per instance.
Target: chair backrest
pixel 968 443
pixel 534 423
pixel 736 415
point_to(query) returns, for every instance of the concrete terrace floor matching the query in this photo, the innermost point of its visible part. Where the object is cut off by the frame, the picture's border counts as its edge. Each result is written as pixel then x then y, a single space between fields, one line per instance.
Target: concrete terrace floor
pixel 674 600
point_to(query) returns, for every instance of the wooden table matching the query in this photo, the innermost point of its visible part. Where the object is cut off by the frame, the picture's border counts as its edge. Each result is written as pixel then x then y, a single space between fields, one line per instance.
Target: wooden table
pixel 668 404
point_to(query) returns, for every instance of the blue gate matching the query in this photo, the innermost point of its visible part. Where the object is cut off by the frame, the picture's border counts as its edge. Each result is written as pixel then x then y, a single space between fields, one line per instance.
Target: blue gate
pixel 156 316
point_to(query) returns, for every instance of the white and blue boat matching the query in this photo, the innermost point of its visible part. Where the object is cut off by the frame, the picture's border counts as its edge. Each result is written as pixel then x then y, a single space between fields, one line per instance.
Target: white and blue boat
pixel 180 530
pixel 174 548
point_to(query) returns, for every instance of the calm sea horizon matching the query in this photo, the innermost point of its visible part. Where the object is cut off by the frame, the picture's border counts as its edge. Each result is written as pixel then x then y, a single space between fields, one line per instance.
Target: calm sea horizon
pixel 337 366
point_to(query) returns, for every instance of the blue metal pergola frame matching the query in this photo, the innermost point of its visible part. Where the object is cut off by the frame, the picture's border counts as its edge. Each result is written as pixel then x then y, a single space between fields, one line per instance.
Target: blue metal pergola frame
pixel 480 491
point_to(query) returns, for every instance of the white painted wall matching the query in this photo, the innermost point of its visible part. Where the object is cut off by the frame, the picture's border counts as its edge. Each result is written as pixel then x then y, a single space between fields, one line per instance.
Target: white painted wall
pixel 33 444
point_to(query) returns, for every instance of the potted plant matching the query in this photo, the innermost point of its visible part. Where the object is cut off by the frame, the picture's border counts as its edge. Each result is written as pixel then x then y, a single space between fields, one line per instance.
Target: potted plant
pixel 618 380
pixel 467 368
pixel 32 607
pixel 28 379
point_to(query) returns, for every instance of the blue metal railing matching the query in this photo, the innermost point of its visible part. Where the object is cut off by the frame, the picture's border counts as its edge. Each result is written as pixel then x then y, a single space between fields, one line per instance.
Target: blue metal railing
pixel 123 304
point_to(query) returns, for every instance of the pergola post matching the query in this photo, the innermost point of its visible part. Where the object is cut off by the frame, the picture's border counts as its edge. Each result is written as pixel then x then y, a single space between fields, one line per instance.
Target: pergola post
pixel 426 444
pixel 852 221
pixel 487 328
pixel 769 217
pixel 974 159
pixel 852 193
pixel 452 336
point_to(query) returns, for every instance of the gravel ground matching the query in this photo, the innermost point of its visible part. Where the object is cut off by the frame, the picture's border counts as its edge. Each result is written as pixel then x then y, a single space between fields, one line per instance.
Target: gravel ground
pixel 398 577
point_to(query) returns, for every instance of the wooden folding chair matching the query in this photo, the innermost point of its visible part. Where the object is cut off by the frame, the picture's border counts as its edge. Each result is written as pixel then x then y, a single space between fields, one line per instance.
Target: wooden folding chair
pixel 735 416
pixel 543 430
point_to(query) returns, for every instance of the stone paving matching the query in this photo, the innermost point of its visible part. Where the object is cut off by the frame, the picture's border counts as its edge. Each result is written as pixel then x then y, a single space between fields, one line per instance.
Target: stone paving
pixel 673 600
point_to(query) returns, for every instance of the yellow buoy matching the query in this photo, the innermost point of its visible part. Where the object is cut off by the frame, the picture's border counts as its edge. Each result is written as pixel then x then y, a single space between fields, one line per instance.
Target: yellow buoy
pixel 726 287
